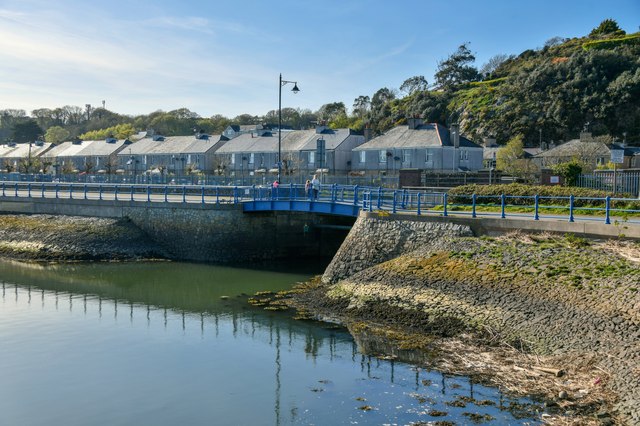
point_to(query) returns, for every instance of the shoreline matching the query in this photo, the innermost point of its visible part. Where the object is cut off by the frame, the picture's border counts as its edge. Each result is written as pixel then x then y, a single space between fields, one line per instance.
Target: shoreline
pixel 507 311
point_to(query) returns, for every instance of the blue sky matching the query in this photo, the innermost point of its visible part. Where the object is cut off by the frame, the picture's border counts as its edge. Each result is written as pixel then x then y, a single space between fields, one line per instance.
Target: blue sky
pixel 224 57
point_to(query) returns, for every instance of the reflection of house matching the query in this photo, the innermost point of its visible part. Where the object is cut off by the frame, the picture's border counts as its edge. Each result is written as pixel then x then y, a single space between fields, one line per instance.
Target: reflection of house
pixel 303 151
pixel 86 156
pixel 175 154
pixel 418 146
pixel 592 153
pixel 15 154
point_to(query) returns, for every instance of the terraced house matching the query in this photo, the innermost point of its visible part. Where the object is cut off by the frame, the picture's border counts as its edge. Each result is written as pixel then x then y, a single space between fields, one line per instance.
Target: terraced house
pixel 304 152
pixel 417 146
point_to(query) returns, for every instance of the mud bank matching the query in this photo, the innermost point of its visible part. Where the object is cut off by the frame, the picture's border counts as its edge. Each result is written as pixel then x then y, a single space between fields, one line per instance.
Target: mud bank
pixel 504 309
pixel 45 238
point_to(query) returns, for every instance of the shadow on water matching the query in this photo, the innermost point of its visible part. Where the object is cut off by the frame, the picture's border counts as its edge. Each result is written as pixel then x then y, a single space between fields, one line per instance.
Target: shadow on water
pixel 245 365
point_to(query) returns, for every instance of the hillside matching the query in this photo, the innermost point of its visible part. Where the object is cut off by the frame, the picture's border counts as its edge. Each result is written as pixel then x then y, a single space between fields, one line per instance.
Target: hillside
pixel 557 90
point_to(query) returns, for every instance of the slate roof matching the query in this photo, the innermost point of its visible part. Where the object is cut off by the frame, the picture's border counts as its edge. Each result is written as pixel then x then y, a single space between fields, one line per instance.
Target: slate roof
pixel 85 149
pixel 172 145
pixel 423 136
pixel 292 141
pixel 21 150
pixel 576 147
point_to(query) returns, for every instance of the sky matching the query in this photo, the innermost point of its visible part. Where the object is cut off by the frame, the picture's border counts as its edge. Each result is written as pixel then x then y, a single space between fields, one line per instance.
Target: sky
pixel 225 57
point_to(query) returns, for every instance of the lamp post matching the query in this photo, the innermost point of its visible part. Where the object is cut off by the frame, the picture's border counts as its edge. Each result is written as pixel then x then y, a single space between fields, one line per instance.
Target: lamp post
pixel 294 90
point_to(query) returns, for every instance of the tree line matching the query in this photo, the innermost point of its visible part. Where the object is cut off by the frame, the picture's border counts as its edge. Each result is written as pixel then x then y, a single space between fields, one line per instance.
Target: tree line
pixel 551 93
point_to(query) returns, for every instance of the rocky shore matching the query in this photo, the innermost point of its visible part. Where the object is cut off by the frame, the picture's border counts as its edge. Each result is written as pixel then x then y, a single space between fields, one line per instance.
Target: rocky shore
pixel 69 238
pixel 552 316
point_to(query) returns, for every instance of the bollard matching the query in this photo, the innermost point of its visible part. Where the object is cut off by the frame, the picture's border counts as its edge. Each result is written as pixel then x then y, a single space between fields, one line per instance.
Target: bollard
pixel 184 194
pixel 42 191
pixel 473 205
pixel 502 206
pixel 444 203
pixel 166 194
pixel 100 192
pixel 571 199
pixel 394 202
pixel 419 198
pixel 115 192
pixel 607 210
pixel 203 195
pixel 537 207
pixel 29 190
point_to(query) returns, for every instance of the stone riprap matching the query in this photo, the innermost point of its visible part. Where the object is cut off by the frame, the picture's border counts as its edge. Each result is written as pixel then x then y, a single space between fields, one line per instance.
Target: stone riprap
pixel 549 295
pixel 371 242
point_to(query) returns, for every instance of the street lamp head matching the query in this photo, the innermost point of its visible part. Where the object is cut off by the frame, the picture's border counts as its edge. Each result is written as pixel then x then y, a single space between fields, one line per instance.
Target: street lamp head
pixel 295 88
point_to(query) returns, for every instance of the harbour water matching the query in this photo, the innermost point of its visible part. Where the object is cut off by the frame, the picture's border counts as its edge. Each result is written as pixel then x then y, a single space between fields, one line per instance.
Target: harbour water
pixel 177 344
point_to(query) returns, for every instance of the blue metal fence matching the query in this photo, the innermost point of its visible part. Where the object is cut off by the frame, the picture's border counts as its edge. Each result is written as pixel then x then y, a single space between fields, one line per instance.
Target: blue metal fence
pixel 294 197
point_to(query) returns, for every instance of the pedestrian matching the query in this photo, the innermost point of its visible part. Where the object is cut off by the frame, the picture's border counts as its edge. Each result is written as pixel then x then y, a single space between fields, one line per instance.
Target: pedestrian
pixel 275 183
pixel 307 189
pixel 315 184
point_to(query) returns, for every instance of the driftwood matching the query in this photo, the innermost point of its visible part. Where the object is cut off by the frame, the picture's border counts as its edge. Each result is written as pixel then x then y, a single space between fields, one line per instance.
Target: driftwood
pixel 555 371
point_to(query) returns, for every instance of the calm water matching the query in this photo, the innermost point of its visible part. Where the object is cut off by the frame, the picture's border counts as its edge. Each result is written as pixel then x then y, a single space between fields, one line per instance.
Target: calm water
pixel 157 344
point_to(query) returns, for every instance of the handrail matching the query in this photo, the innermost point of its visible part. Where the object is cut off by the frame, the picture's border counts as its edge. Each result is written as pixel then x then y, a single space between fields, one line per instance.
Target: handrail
pixel 370 199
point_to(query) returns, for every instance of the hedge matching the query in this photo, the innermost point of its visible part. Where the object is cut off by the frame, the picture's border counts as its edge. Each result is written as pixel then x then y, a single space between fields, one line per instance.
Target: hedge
pixel 612 42
pixel 460 195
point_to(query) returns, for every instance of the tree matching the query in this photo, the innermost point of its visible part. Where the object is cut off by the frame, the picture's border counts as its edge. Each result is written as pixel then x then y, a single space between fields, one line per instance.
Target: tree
pixel 569 170
pixel 120 131
pixel 381 97
pixel 361 105
pixel 510 159
pixel 414 84
pixel 488 69
pixel 608 26
pixel 56 134
pixel 456 69
pixel 554 41
pixel 27 131
pixel 328 112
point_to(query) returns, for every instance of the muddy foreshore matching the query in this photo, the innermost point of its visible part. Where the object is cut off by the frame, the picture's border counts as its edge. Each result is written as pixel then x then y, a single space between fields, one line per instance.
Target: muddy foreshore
pixel 47 238
pixel 546 316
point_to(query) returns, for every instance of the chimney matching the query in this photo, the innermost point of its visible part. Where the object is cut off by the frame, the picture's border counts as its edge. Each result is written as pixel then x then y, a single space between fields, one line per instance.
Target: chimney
pixel 320 128
pixel 414 123
pixel 454 135
pixel 490 142
pixel 585 137
pixel 367 133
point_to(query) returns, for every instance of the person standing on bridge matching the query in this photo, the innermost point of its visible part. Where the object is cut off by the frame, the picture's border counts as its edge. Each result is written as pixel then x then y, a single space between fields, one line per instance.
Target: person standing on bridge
pixel 307 188
pixel 315 184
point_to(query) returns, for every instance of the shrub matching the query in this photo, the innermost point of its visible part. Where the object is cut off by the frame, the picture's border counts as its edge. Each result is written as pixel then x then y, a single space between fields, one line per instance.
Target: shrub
pixel 491 195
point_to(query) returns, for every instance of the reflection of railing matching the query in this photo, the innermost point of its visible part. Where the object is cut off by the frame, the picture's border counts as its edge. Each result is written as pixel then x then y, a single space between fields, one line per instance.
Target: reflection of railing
pixel 295 197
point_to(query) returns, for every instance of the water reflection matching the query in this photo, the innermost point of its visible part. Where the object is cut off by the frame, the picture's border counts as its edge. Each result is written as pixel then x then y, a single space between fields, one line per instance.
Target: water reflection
pixel 156 344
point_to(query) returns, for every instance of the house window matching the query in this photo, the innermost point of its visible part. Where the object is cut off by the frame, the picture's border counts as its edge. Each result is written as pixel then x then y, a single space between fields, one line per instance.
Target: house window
pixel 312 157
pixel 363 156
pixel 406 155
pixel 382 156
pixel 428 156
pixel 251 158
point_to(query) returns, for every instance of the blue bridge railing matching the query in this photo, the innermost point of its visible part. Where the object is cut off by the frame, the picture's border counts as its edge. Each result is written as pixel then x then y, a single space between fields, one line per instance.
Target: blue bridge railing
pixel 294 197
